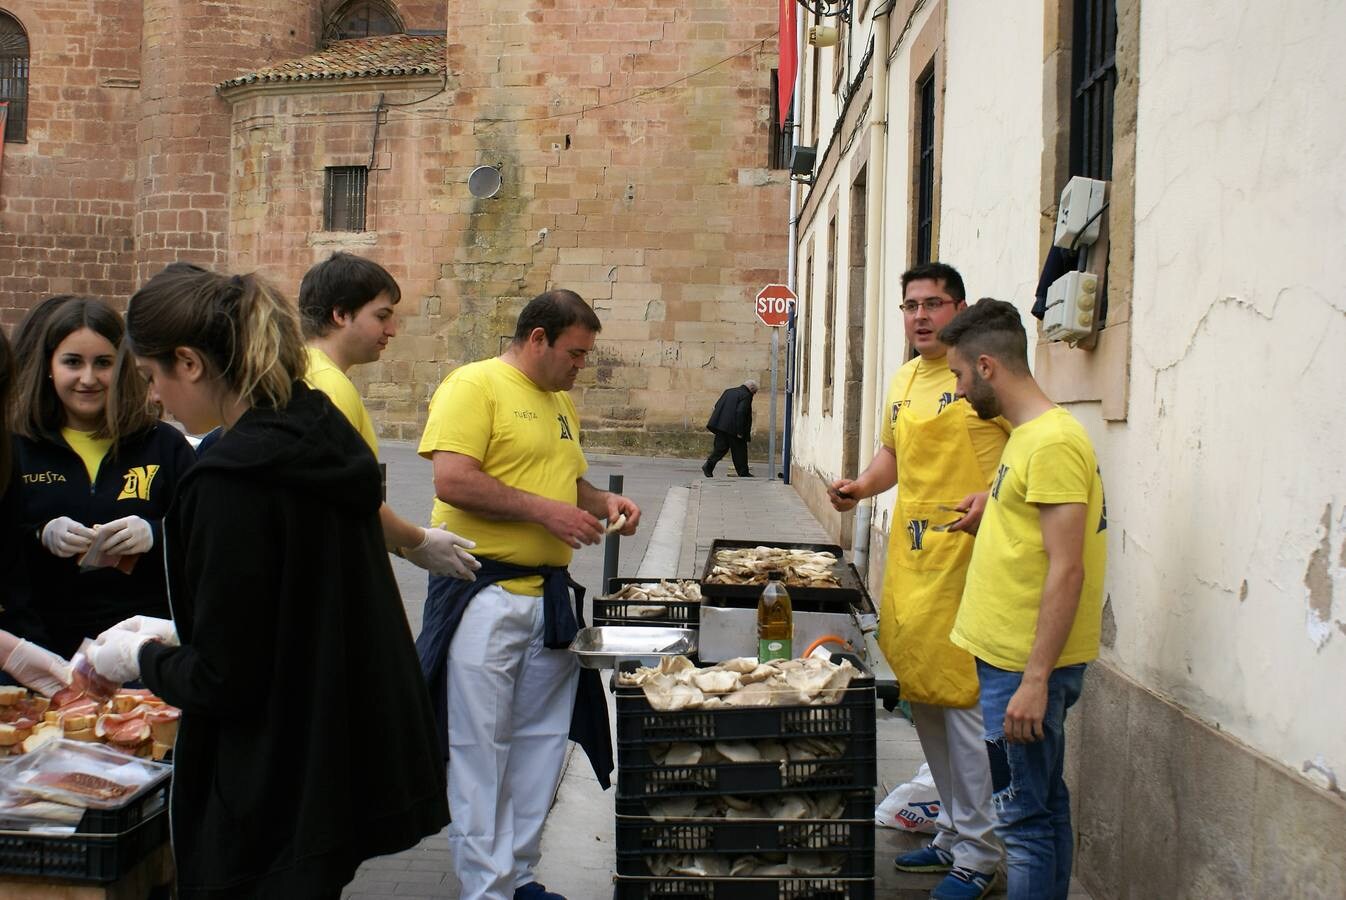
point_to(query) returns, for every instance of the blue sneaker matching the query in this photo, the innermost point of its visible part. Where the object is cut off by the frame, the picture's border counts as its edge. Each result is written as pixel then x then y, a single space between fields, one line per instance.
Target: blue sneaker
pixel 534 891
pixel 963 884
pixel 927 859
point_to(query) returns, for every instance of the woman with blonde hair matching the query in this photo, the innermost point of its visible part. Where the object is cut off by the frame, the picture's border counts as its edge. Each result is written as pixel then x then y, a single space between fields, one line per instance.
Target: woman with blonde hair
pixel 93 459
pixel 306 743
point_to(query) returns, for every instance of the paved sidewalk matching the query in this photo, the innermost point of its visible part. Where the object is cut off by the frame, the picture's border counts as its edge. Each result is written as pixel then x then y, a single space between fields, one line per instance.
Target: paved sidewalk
pixel 578 850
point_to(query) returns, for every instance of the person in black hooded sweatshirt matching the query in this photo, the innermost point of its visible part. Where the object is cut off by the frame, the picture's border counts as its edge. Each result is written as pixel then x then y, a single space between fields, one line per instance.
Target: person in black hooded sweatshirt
pixel 306 744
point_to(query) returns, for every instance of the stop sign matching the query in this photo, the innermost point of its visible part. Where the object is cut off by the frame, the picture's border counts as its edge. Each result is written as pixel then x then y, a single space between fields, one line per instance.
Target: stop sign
pixel 774 303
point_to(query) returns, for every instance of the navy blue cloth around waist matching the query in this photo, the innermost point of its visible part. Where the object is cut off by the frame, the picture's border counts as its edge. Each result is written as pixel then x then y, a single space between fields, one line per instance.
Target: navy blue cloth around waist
pixel 445 602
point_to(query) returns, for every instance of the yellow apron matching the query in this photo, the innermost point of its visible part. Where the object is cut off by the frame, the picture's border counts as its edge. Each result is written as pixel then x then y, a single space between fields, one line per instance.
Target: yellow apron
pixel 923 581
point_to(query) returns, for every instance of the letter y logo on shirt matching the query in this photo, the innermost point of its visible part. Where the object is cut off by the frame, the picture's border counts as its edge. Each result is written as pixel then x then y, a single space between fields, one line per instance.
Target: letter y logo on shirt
pixel 917 528
pixel 136 483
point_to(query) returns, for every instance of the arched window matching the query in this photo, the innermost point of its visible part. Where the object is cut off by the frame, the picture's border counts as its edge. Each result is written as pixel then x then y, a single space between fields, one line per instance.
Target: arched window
pixel 14 78
pixel 361 19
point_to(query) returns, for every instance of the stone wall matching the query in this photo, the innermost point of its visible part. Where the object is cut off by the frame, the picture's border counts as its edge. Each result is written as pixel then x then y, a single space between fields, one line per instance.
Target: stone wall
pixel 67 195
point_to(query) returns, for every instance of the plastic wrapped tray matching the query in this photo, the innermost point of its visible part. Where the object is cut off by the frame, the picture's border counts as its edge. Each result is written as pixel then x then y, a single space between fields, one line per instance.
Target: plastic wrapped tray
pixel 83 774
pixel 628 888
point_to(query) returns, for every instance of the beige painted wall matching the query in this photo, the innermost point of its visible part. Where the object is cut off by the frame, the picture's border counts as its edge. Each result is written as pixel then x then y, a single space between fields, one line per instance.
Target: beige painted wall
pixel 1226 487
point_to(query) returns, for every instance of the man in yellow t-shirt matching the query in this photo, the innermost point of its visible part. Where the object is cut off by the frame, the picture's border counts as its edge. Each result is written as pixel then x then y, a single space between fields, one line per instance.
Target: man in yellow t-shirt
pixel 944 456
pixel 346 306
pixel 1032 605
pixel 503 435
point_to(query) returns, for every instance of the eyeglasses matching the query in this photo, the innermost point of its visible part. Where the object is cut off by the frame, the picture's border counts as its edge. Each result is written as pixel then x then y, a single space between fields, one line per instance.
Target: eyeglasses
pixel 929 305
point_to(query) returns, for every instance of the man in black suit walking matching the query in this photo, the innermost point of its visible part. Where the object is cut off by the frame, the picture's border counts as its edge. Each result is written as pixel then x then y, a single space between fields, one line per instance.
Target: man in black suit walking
pixel 731 423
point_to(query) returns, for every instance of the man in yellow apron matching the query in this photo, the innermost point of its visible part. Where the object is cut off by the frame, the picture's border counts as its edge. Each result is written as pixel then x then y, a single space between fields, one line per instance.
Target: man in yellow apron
pixel 946 456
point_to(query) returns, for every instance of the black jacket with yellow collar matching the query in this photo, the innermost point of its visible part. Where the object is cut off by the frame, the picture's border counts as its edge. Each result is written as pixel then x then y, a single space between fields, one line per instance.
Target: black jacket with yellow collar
pixel 138 477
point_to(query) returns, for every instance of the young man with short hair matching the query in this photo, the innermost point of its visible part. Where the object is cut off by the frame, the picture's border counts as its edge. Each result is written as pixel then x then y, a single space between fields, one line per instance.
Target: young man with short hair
pixel 1032 606
pixel 347 309
pixel 945 457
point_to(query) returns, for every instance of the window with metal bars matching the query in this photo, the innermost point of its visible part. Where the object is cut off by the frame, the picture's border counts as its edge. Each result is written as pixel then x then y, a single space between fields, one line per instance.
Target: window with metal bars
pixel 343 206
pixel 1093 82
pixel 362 19
pixel 925 173
pixel 14 78
pixel 782 136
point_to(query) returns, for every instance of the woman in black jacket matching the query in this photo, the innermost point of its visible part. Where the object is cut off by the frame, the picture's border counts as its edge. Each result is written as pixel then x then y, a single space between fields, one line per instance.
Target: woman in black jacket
pixel 89 454
pixel 20 658
pixel 306 743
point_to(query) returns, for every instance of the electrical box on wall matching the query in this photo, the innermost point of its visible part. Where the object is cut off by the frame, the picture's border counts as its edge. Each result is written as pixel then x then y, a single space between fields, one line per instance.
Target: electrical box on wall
pixel 1078 214
pixel 1072 307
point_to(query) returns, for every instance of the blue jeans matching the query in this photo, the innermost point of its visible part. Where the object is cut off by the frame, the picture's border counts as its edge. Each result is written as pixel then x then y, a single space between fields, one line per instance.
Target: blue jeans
pixel 1029 791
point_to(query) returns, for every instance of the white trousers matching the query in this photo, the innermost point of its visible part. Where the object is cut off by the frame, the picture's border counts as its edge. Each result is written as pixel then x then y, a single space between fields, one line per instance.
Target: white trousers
pixel 510 702
pixel 955 749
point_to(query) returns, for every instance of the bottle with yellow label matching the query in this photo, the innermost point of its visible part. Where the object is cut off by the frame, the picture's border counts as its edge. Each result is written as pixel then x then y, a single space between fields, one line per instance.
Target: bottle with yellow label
pixel 775 621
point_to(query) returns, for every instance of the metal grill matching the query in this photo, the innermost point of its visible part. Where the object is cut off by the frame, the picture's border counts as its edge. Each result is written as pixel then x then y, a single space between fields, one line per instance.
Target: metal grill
pixel 1093 82
pixel 14 78
pixel 925 185
pixel 344 199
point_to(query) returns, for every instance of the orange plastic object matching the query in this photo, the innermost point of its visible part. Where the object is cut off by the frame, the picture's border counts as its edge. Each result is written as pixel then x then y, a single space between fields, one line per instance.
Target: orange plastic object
pixel 828 639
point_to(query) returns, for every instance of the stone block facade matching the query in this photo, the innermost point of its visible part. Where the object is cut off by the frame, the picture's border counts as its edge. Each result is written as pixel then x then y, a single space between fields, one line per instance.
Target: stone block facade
pixel 633 137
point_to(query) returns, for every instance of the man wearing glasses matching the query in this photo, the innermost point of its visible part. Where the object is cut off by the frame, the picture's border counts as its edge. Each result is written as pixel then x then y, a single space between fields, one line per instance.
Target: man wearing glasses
pixel 946 456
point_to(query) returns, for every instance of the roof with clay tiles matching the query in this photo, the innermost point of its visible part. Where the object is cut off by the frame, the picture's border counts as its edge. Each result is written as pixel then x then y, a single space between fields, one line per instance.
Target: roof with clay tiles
pixel 374 57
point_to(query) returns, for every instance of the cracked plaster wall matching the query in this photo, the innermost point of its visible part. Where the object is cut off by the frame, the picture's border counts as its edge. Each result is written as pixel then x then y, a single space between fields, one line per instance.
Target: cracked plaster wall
pixel 1227 565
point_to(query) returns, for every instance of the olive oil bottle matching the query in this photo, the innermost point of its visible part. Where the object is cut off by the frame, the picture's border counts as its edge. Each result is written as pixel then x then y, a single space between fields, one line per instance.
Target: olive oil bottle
pixel 775 621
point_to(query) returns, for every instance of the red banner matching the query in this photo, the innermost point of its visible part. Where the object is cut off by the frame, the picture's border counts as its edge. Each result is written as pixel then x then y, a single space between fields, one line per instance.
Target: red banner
pixel 789 57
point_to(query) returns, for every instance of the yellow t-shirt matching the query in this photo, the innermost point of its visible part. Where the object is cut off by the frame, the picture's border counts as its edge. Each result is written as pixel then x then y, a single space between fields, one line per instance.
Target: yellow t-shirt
pixel 1048 459
pixel 525 438
pixel 323 375
pixel 923 388
pixel 90 449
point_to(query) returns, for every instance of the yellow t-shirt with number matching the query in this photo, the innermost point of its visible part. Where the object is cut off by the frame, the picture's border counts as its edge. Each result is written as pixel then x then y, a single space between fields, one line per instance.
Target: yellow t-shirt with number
pixel 524 437
pixel 922 389
pixel 1048 460
pixel 323 375
pixel 91 450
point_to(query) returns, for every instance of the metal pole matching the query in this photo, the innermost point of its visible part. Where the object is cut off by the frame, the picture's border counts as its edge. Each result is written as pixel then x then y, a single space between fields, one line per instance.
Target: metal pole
pixel 771 439
pixel 610 544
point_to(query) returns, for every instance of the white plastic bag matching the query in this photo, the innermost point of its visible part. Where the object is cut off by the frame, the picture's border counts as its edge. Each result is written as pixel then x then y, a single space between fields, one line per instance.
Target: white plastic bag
pixel 913 806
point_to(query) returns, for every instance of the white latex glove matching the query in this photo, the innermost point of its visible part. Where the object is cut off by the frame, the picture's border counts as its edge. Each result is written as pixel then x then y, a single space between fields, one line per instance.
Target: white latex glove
pixel 65 537
pixel 160 629
pixel 116 654
pixel 127 536
pixel 444 553
pixel 37 668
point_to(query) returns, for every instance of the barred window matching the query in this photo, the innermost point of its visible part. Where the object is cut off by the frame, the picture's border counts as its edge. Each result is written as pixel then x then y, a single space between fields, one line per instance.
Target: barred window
pixel 14 78
pixel 782 136
pixel 1093 81
pixel 925 173
pixel 344 198
pixel 362 19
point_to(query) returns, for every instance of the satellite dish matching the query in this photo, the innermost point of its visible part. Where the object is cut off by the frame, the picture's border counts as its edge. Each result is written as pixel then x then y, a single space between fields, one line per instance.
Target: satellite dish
pixel 484 182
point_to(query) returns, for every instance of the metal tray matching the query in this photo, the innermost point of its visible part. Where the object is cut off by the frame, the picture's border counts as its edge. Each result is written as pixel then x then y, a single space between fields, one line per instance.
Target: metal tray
pixel 605 646
pixel 849 595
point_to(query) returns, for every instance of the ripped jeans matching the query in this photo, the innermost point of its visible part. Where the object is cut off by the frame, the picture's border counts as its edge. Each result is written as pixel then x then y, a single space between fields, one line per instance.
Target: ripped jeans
pixel 1029 794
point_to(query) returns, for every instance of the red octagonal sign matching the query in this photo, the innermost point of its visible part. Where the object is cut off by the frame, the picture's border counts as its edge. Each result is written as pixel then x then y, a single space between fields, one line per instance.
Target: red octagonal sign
pixel 774 303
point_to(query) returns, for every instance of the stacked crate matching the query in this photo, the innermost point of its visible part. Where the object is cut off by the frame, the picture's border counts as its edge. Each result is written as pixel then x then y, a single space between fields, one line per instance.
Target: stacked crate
pixel 641 781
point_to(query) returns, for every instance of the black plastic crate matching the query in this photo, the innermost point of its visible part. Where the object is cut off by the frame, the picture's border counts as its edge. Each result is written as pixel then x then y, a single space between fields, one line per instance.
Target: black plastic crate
pixel 855 771
pixel 743 888
pixel 851 592
pixel 852 716
pixel 851 836
pixel 679 614
pixel 80 856
pixel 124 818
